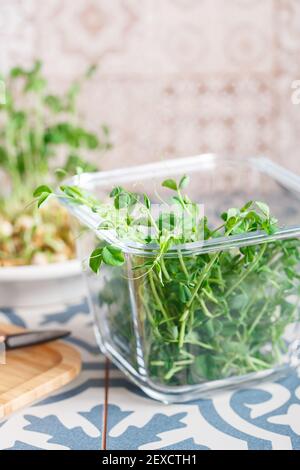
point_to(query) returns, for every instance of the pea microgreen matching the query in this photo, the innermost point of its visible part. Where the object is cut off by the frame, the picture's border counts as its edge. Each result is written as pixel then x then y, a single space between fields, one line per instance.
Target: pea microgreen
pixel 206 316
pixel 37 123
pixel 38 128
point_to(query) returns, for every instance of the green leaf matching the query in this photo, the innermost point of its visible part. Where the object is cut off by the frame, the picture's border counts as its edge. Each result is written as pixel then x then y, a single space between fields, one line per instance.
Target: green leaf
pixel 122 200
pixel 264 208
pixel 238 301
pixel 232 212
pixel 43 189
pixel 158 270
pixel 213 327
pixel 92 141
pixel 60 173
pixel 95 260
pixel 74 161
pixel 35 84
pixel 229 330
pixel 17 72
pixel 183 183
pixel 184 293
pixel 147 201
pixel 178 200
pixel 170 184
pixel 72 191
pixel 235 347
pixel 43 198
pixel 3 156
pixel 106 225
pixel 246 206
pixel 54 103
pixel 113 256
pixel 201 365
pixel 249 252
pixel 115 191
pixel 231 222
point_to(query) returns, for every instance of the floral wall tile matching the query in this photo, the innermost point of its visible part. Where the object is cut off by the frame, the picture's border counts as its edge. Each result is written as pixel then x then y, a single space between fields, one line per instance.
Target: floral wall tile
pixel 176 77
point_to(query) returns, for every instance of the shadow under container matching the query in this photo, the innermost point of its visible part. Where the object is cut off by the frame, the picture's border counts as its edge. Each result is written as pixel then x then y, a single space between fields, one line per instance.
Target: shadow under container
pixel 242 323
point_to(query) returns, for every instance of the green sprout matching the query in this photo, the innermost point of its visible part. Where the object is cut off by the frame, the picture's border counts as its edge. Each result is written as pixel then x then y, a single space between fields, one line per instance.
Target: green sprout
pixel 38 130
pixel 202 316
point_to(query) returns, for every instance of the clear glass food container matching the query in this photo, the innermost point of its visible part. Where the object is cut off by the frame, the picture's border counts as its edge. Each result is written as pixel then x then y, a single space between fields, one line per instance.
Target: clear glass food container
pixel 238 322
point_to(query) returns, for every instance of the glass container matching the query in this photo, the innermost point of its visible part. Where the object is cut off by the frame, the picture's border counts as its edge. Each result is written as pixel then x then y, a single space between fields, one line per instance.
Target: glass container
pixel 218 320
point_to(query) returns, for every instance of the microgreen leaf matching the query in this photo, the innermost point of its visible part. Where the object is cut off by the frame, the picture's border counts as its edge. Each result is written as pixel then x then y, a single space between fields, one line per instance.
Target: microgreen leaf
pixel 122 200
pixel 42 199
pixel 247 206
pixel 116 191
pixel 170 184
pixel 61 172
pixel 147 201
pixel 43 189
pixel 183 183
pixel 232 213
pixel 95 260
pixel 113 256
pixel 201 365
pixel 178 200
pixel 184 293
pixel 264 208
pixel 72 191
pixel 106 225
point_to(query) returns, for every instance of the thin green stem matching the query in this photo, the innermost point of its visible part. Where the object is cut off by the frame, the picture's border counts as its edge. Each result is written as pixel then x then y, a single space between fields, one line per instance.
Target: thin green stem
pixel 258 318
pixel 156 297
pixel 248 271
pixel 182 264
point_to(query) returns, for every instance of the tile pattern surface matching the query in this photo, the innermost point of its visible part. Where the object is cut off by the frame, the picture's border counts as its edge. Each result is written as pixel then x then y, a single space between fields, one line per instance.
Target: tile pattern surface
pixel 176 77
pixel 264 417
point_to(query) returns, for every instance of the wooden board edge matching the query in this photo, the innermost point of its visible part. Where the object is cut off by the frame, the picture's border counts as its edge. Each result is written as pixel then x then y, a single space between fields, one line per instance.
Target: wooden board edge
pixel 46 383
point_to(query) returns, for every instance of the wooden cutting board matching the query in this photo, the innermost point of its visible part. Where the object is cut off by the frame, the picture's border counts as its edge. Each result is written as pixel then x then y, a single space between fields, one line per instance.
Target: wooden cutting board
pixel 32 373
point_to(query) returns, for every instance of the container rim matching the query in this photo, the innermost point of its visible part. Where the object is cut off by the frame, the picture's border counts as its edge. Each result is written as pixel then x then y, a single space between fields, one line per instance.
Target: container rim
pixel 265 166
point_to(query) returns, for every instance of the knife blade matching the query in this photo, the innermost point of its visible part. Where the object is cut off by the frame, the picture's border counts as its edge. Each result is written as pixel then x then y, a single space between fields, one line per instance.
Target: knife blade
pixel 32 338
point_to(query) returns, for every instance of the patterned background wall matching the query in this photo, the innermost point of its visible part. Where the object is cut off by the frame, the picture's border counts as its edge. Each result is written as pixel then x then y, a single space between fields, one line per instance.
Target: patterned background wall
pixel 177 77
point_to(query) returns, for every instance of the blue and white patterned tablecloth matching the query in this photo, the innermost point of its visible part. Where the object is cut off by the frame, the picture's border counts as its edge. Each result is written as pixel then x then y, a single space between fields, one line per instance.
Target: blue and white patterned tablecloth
pixel 265 417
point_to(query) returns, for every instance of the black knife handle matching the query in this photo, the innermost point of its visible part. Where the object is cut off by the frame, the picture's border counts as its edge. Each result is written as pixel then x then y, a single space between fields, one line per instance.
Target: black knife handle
pixel 32 338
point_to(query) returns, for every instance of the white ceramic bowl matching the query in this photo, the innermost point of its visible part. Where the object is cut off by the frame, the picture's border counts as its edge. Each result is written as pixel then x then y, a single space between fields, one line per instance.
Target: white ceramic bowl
pixel 28 286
